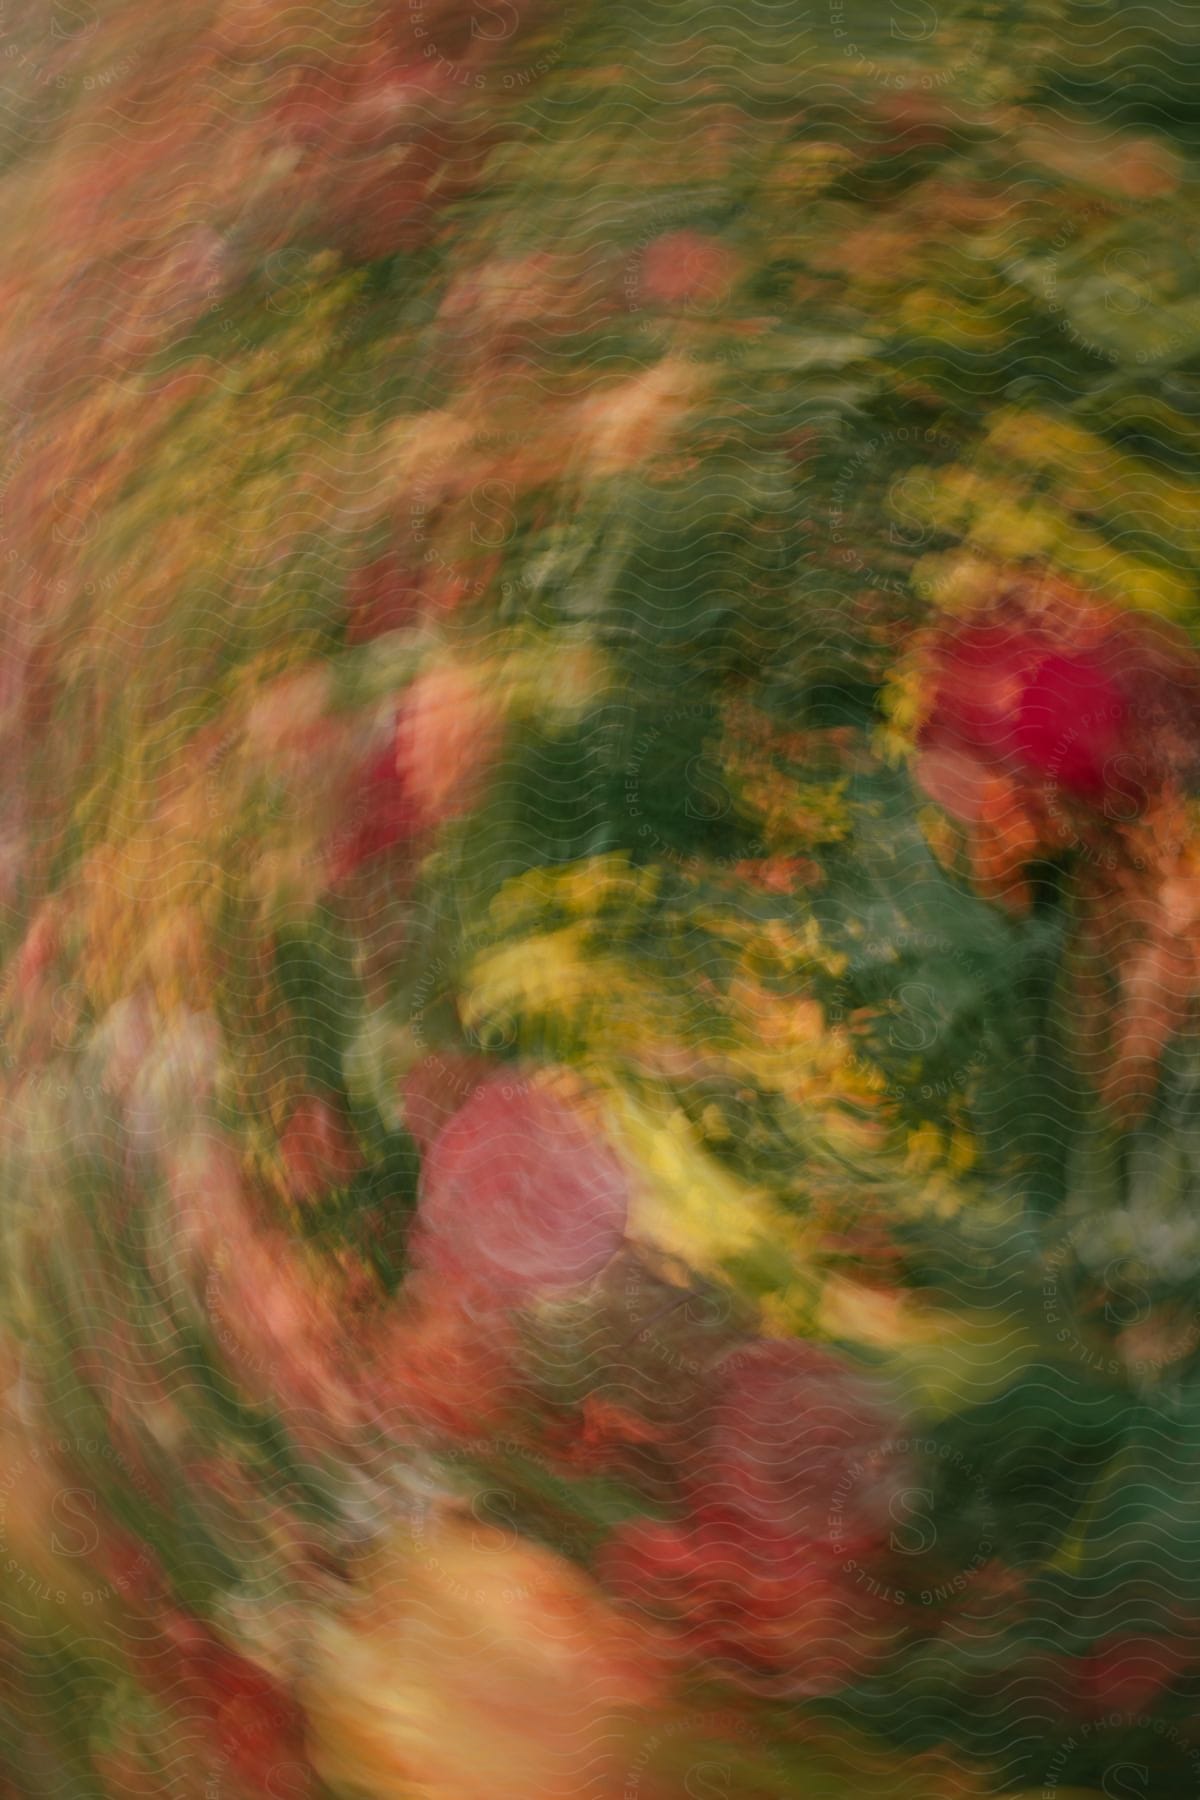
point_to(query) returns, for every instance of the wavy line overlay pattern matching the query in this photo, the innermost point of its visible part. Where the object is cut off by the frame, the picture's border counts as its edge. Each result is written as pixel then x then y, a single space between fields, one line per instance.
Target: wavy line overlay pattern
pixel 599 900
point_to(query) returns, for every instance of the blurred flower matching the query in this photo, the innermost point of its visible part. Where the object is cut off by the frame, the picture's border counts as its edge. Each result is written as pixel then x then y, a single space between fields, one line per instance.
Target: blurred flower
pixel 684 267
pixel 1138 167
pixel 779 874
pixel 770 1572
pixel 1136 961
pixel 1128 1673
pixel 769 1609
pixel 604 1434
pixel 434 1366
pixel 478 1668
pixel 519 1195
pixel 788 1422
pixel 121 1043
pixel 175 1084
pixel 636 418
pixel 283 1328
pixel 318 1148
pixel 1049 721
pixel 514 309
pixel 277 1315
pixel 290 715
pixel 1164 1337
pixel 447 734
pixel 379 815
pixel 250 1720
pixel 445 737
pixel 39 949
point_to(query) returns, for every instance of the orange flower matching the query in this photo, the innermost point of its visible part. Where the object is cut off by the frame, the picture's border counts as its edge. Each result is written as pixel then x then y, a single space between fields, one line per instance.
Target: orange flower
pixel 476 1667
pixel 446 737
pixel 1005 842
pixel 684 268
pixel 435 1368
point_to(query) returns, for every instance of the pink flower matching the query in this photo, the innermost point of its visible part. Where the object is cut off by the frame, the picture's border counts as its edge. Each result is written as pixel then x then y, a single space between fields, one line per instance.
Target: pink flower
pixel 519 1194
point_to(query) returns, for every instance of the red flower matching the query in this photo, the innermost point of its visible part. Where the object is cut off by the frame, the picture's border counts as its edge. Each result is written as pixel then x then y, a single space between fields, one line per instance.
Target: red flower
pixel 252 1720
pixel 793 1446
pixel 446 733
pixel 777 1571
pixel 1071 723
pixel 318 1149
pixel 772 1609
pixel 382 596
pixel 1003 700
pixel 1127 1674
pixel 519 1194
pixel 1050 722
pixel 379 816
pixel 1061 693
